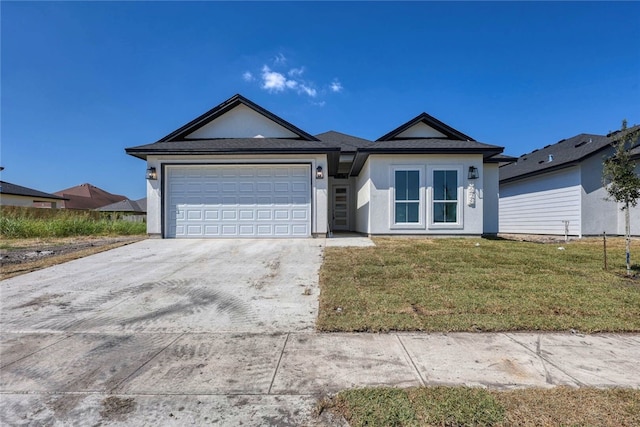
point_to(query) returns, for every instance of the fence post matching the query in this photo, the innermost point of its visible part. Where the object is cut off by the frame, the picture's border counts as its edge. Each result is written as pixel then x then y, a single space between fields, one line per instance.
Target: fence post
pixel 604 243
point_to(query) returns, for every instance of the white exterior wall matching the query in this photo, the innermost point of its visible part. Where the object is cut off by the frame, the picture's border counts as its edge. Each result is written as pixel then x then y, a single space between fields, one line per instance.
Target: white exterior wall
pixel 363 198
pixel 540 204
pixel 319 187
pixel 375 185
pixel 14 200
pixel 491 198
pixel 242 122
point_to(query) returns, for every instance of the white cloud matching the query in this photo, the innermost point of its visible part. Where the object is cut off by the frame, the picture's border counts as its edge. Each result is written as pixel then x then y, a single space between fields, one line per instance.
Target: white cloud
pixel 308 90
pixel 336 86
pixel 278 80
pixel 273 81
pixel 247 76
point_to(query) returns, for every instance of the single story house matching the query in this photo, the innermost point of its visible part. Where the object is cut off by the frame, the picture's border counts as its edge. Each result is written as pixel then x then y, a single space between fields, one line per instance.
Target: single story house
pixel 558 189
pixel 87 196
pixel 239 170
pixel 17 195
pixel 128 210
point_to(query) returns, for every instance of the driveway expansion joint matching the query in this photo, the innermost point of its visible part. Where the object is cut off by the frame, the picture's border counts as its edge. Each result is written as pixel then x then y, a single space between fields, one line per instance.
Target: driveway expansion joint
pixel 423 382
pixel 275 372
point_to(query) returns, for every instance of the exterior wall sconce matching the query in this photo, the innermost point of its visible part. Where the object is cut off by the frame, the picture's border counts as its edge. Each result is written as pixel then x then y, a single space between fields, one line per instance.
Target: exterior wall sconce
pixel 152 175
pixel 319 173
pixel 473 173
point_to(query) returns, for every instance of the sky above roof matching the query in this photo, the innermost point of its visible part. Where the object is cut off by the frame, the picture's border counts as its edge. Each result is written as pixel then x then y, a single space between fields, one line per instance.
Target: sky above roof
pixel 81 81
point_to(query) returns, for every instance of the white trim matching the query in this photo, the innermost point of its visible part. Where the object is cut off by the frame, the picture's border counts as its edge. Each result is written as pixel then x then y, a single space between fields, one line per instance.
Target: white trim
pixel 459 224
pixel 420 225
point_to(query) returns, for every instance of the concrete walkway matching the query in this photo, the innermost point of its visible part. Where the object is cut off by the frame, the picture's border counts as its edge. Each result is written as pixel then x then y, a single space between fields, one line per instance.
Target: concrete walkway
pixel 258 379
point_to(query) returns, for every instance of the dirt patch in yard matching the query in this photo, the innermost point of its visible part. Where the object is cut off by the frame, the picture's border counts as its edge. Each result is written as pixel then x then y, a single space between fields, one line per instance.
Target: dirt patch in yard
pixel 20 256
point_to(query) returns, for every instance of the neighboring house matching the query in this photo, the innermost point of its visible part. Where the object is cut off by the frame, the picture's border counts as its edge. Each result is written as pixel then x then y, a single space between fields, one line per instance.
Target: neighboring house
pixel 240 170
pixel 87 196
pixel 561 186
pixel 17 195
pixel 128 210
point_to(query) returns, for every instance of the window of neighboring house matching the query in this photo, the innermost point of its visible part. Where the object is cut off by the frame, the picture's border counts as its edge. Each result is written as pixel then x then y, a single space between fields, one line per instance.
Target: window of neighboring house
pixel 407 197
pixel 445 197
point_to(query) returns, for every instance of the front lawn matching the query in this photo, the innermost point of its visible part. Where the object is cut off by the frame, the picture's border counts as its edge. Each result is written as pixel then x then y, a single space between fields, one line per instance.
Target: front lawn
pixel 477 285
pixel 463 406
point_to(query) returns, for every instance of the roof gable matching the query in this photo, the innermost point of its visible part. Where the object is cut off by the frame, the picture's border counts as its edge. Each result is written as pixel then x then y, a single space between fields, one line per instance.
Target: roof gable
pixel 237 117
pixel 421 130
pixel 425 126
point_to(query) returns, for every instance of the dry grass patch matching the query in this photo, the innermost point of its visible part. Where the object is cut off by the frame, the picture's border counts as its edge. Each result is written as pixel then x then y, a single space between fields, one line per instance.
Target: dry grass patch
pixel 16 262
pixel 464 406
pixel 477 285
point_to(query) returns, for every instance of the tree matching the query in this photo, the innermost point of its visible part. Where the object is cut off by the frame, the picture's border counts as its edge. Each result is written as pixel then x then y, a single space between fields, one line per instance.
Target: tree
pixel 620 178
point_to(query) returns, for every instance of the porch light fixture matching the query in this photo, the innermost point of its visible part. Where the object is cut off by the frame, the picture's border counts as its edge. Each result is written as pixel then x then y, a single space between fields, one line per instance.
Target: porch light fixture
pixel 473 172
pixel 152 174
pixel 319 173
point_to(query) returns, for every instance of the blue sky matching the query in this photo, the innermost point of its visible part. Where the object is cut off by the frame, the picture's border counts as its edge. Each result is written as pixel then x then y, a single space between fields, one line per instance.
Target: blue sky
pixel 80 81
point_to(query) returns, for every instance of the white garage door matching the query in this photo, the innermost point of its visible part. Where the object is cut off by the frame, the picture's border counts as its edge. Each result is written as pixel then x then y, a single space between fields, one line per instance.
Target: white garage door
pixel 238 201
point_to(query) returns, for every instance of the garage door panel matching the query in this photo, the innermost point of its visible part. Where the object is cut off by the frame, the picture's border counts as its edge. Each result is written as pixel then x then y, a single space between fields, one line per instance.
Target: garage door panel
pixel 233 200
pixel 247 215
pixel 229 215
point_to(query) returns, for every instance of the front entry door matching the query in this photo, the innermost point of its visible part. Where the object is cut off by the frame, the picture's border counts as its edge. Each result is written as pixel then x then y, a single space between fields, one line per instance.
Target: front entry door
pixel 340 207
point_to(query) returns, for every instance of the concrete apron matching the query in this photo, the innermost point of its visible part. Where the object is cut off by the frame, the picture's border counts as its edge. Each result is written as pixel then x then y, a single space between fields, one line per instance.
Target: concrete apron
pixel 127 337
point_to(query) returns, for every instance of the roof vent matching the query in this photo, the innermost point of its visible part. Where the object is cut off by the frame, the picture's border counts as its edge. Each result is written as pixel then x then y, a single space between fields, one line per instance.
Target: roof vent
pixel 550 157
pixel 540 162
pixel 547 146
pixel 580 144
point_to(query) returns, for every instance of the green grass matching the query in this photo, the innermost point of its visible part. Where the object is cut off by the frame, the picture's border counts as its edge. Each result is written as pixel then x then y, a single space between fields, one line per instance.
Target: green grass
pixel 28 223
pixel 455 285
pixel 464 406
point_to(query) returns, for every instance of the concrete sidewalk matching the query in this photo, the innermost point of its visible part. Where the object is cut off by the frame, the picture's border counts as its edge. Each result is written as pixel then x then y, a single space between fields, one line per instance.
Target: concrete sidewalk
pixel 266 379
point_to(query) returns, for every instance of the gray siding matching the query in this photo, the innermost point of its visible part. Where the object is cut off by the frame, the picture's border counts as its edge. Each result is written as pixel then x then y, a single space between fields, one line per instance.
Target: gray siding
pixel 540 204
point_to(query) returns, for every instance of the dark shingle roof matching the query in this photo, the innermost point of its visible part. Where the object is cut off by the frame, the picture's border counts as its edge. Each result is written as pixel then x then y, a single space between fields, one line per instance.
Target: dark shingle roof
pixel 347 143
pixel 432 145
pixel 555 156
pixel 87 196
pixel 18 190
pixel 124 206
pixel 232 145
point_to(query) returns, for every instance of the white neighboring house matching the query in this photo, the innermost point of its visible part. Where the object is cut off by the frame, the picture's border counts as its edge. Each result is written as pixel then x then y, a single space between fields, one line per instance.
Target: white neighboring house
pixel 561 186
pixel 17 195
pixel 239 170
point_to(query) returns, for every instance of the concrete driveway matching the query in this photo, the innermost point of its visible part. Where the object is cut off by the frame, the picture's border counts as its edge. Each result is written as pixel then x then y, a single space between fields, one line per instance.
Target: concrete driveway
pixel 172 286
